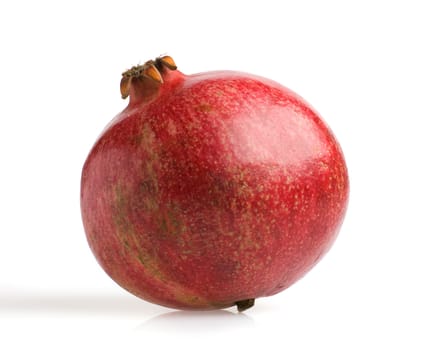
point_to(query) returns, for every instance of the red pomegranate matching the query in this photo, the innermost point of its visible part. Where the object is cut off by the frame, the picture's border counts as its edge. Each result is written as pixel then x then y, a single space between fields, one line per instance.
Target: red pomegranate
pixel 211 190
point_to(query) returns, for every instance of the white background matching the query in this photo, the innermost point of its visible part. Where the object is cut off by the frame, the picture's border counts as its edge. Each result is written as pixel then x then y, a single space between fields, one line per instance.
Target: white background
pixel 364 65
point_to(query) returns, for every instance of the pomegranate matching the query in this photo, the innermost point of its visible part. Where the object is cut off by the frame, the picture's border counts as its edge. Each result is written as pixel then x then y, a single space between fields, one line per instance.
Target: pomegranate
pixel 211 190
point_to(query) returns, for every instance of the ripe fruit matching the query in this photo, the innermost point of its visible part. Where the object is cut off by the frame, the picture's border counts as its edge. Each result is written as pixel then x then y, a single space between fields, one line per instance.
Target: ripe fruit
pixel 211 190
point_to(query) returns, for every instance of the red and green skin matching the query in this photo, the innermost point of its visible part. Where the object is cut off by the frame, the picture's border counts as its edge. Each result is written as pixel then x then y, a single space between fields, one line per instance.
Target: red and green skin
pixel 213 189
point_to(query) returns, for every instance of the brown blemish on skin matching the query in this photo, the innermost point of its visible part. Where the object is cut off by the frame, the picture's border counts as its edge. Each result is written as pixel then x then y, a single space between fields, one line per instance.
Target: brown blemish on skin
pixel 148 259
pixel 204 107
pixel 169 221
pixel 163 218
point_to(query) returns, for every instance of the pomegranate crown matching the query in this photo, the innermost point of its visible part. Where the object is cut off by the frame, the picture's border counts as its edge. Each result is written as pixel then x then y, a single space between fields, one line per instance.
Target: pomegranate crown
pixel 151 69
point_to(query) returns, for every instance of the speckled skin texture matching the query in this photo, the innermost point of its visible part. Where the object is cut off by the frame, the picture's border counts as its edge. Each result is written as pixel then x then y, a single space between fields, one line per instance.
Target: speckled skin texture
pixel 214 188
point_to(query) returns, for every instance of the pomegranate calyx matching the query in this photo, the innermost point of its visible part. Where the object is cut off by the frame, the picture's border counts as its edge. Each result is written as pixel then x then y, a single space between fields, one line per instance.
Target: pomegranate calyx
pixel 151 69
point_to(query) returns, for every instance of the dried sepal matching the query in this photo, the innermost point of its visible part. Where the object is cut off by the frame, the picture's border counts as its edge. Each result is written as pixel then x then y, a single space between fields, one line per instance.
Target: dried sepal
pixel 150 71
pixel 168 62
pixel 125 84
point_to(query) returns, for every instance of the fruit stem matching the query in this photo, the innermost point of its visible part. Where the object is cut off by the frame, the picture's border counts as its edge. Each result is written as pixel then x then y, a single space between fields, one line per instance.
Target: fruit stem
pixel 245 304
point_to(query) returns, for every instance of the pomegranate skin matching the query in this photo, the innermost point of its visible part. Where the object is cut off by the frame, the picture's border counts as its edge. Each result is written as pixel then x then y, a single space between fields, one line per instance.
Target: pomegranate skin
pixel 213 189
